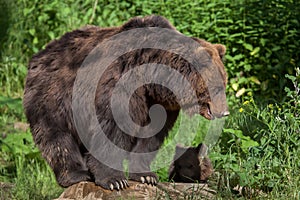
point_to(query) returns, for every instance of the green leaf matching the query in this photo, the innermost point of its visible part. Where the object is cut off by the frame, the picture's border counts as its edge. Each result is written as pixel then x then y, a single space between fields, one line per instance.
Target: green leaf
pixel 254 79
pixel 237 133
pixel 247 142
pixel 240 92
pixel 32 32
pixel 248 46
pixel 19 143
pixel 255 51
pixel 35 40
pixel 247 67
pixel 27 11
pixel 235 86
pixel 51 35
pixel 238 57
pixel 236 35
pixel 276 48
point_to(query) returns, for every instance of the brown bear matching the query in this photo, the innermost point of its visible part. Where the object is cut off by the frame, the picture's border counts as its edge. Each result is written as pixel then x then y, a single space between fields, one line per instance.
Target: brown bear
pixel 48 102
pixel 190 165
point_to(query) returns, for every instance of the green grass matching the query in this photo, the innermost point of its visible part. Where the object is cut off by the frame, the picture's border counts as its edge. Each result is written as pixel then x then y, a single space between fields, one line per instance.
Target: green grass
pixel 272 165
pixel 34 180
pixel 21 164
pixel 259 150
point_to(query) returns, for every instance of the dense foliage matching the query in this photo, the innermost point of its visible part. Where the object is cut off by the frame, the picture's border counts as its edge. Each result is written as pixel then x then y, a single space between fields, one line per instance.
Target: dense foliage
pixel 261 36
pixel 260 143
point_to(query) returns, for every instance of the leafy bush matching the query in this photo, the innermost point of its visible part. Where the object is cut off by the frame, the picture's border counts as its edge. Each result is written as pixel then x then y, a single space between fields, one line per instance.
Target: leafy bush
pixel 264 146
pixel 262 37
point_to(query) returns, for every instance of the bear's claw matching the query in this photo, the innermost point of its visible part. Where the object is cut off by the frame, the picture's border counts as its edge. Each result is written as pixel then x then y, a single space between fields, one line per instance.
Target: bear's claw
pixel 150 180
pixel 119 185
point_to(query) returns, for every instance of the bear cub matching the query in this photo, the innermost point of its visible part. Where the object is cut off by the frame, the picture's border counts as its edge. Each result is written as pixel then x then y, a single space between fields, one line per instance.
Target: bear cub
pixel 192 166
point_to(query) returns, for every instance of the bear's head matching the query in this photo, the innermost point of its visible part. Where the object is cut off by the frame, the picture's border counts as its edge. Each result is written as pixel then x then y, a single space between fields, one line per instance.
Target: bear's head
pixel 209 82
pixel 208 79
pixel 192 165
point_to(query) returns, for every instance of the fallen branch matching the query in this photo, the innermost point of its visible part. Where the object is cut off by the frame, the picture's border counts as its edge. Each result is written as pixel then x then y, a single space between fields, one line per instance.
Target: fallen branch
pixel 89 191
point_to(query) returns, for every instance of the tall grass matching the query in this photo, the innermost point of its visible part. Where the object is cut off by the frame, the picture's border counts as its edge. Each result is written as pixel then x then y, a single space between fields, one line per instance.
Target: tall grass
pixel 34 180
pixel 260 151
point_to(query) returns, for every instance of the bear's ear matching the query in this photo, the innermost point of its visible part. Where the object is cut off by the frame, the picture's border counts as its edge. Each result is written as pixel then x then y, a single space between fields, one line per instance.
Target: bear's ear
pixel 179 149
pixel 221 49
pixel 148 21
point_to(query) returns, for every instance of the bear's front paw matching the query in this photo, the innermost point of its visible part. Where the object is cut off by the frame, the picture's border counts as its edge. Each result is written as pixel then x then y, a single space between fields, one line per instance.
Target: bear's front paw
pixel 114 182
pixel 150 178
pixel 67 179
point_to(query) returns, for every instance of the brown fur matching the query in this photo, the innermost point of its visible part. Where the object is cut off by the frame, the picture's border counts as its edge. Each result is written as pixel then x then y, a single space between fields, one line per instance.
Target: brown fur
pixel 48 99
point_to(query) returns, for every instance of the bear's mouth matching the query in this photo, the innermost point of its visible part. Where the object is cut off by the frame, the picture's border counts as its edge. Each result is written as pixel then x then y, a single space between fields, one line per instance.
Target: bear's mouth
pixel 195 108
pixel 209 113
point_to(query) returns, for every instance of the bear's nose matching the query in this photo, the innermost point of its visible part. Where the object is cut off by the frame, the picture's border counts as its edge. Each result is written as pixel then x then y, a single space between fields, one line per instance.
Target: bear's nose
pixel 225 113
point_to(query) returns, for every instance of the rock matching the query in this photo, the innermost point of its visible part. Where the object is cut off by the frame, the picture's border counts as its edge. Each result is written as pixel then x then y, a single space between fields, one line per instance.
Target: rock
pixel 5 190
pixel 21 126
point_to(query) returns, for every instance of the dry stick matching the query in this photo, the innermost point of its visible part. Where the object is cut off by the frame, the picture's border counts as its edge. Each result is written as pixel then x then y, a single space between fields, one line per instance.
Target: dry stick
pixel 94 11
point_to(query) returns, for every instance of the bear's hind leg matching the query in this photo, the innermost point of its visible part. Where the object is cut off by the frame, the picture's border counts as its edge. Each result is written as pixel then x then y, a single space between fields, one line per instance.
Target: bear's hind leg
pixel 62 153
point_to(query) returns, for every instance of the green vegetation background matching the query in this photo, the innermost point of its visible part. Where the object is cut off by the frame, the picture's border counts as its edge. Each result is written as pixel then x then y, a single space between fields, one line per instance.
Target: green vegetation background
pixel 259 146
